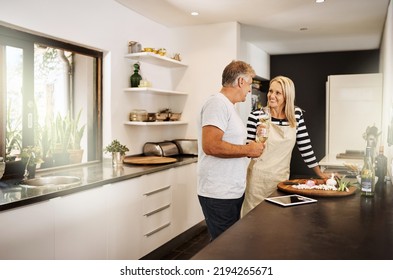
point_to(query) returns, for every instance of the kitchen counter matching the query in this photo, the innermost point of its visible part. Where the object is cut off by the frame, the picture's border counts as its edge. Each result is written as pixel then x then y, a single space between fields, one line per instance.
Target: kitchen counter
pixel 92 175
pixel 343 228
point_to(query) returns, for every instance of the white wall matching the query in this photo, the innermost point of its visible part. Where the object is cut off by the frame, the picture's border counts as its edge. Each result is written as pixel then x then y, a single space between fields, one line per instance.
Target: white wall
pixel 104 25
pixel 387 70
pixel 260 61
pixel 207 50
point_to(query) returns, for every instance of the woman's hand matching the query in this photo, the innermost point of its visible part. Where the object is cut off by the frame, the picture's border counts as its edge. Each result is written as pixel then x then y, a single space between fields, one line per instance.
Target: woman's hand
pixel 318 172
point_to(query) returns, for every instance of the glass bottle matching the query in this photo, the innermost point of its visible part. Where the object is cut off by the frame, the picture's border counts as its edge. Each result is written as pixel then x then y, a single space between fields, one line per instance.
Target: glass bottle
pixel 367 185
pixel 135 78
pixel 381 162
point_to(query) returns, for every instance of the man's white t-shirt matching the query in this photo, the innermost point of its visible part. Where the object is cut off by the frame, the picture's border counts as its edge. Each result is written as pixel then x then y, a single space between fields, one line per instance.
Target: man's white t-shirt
pixel 223 178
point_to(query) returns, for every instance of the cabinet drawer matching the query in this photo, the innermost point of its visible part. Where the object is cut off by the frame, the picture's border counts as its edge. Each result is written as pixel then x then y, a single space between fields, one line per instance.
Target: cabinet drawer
pixel 157 198
pixel 158 236
pixel 156 220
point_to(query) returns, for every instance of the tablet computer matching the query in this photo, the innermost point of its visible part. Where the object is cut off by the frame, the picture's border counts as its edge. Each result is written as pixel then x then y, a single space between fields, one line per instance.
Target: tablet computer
pixel 290 200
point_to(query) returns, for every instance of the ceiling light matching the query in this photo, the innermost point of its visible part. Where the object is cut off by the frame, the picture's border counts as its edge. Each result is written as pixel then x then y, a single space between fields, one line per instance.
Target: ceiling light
pixel 194 13
pixel 319 1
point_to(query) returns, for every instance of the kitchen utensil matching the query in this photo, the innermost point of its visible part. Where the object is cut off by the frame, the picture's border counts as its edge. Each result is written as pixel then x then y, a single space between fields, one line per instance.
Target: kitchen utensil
pixel 138 115
pixel 162 51
pixel 174 116
pixel 134 47
pixel 187 146
pixel 163 149
pixel 164 115
pixel 151 117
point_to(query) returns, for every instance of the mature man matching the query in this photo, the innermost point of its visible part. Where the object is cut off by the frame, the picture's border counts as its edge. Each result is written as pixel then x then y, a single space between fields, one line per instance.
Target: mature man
pixel 223 151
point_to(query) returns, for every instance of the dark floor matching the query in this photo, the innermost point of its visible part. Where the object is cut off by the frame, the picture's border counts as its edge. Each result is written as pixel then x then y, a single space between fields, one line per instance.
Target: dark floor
pixel 189 248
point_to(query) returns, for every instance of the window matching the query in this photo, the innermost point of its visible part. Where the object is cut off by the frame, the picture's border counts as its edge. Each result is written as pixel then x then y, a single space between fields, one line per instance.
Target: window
pixel 50 96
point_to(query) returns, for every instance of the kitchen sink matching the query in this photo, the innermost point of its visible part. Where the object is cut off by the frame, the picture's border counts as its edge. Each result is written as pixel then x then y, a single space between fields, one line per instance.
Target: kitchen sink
pixel 51 182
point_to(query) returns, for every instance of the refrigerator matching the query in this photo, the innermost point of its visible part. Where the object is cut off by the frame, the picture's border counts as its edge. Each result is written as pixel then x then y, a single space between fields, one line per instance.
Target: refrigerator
pixel 353 104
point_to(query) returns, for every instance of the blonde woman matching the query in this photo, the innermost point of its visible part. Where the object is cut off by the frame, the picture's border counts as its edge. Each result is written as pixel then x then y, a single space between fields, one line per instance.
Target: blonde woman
pixel 287 128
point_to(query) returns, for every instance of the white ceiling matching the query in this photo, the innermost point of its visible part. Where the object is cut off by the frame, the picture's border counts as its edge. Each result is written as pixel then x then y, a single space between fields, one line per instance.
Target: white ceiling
pixel 275 25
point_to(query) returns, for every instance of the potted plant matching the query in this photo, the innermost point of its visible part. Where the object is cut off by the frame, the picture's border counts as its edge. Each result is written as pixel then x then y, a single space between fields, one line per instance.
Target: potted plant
pixel 75 149
pixel 66 139
pixel 118 151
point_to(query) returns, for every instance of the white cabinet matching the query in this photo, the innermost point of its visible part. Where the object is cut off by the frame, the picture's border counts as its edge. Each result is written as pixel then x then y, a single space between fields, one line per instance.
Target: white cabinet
pixel 165 62
pixel 187 211
pixel 123 220
pixel 124 212
pixel 27 232
pixel 81 225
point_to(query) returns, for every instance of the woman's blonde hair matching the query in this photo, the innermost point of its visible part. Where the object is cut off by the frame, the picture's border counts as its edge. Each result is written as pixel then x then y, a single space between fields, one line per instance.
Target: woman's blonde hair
pixel 288 88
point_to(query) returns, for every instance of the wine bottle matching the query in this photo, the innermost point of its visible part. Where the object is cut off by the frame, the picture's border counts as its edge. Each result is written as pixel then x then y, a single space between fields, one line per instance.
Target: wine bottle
pixel 367 185
pixel 381 165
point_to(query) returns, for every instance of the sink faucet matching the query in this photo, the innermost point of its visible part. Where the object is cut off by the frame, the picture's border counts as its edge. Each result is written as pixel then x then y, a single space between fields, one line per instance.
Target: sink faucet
pixel 26 174
pixel 2 167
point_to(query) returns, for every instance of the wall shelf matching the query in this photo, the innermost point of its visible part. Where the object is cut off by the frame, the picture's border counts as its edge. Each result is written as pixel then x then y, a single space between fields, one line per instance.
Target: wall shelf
pixel 155 123
pixel 154 91
pixel 155 59
pixel 159 60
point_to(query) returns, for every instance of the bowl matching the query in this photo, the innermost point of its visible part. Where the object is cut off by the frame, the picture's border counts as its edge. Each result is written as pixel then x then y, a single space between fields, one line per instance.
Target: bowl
pixel 360 179
pixel 175 116
pixel 138 115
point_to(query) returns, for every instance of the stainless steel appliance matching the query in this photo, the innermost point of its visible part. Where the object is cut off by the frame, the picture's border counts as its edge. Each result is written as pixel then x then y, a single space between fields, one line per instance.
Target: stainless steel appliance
pixel 187 146
pixel 163 149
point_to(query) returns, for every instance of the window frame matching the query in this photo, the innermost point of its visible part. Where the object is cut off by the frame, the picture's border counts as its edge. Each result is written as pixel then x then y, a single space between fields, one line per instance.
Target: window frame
pixel 22 39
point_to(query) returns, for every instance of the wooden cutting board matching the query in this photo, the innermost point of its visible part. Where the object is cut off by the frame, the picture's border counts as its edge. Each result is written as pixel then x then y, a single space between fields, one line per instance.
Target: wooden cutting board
pixel 286 186
pixel 149 160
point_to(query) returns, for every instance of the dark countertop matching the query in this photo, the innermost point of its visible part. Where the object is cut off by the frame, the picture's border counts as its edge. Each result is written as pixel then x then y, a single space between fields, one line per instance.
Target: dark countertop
pixel 343 228
pixel 92 175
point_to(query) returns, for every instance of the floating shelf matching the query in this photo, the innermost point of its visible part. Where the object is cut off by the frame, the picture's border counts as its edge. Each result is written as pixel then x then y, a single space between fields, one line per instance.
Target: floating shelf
pixel 155 123
pixel 155 91
pixel 155 59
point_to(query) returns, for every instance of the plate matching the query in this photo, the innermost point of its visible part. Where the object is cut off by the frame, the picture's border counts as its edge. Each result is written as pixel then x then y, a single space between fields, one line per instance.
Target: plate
pixel 286 186
pixel 149 160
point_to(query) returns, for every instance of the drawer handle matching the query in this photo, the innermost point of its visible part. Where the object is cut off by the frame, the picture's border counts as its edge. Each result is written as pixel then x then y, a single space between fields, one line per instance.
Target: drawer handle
pixel 158 210
pixel 157 229
pixel 157 191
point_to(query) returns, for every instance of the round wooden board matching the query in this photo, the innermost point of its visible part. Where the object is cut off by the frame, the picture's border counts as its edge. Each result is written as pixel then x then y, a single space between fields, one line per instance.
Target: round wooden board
pixel 286 186
pixel 149 160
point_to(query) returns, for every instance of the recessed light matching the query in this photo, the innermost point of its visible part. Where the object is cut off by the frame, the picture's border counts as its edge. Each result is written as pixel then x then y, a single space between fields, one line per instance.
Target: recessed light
pixel 194 13
pixel 319 1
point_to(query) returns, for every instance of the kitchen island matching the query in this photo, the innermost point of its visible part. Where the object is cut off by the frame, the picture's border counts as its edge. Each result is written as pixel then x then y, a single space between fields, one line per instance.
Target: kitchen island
pixel 343 228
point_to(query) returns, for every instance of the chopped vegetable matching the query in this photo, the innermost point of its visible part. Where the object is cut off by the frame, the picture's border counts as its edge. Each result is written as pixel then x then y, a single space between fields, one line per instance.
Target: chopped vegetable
pixel 343 186
pixel 310 183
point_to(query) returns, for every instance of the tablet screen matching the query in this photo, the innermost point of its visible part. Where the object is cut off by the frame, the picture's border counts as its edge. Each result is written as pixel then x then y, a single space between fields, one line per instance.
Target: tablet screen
pixel 290 200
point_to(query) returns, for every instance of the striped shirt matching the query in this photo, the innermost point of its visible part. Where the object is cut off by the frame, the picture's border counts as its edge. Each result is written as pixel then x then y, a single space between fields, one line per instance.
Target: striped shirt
pixel 303 141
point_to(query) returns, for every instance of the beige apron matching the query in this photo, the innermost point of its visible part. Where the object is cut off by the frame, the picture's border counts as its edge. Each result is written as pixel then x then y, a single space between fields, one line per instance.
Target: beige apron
pixel 272 167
